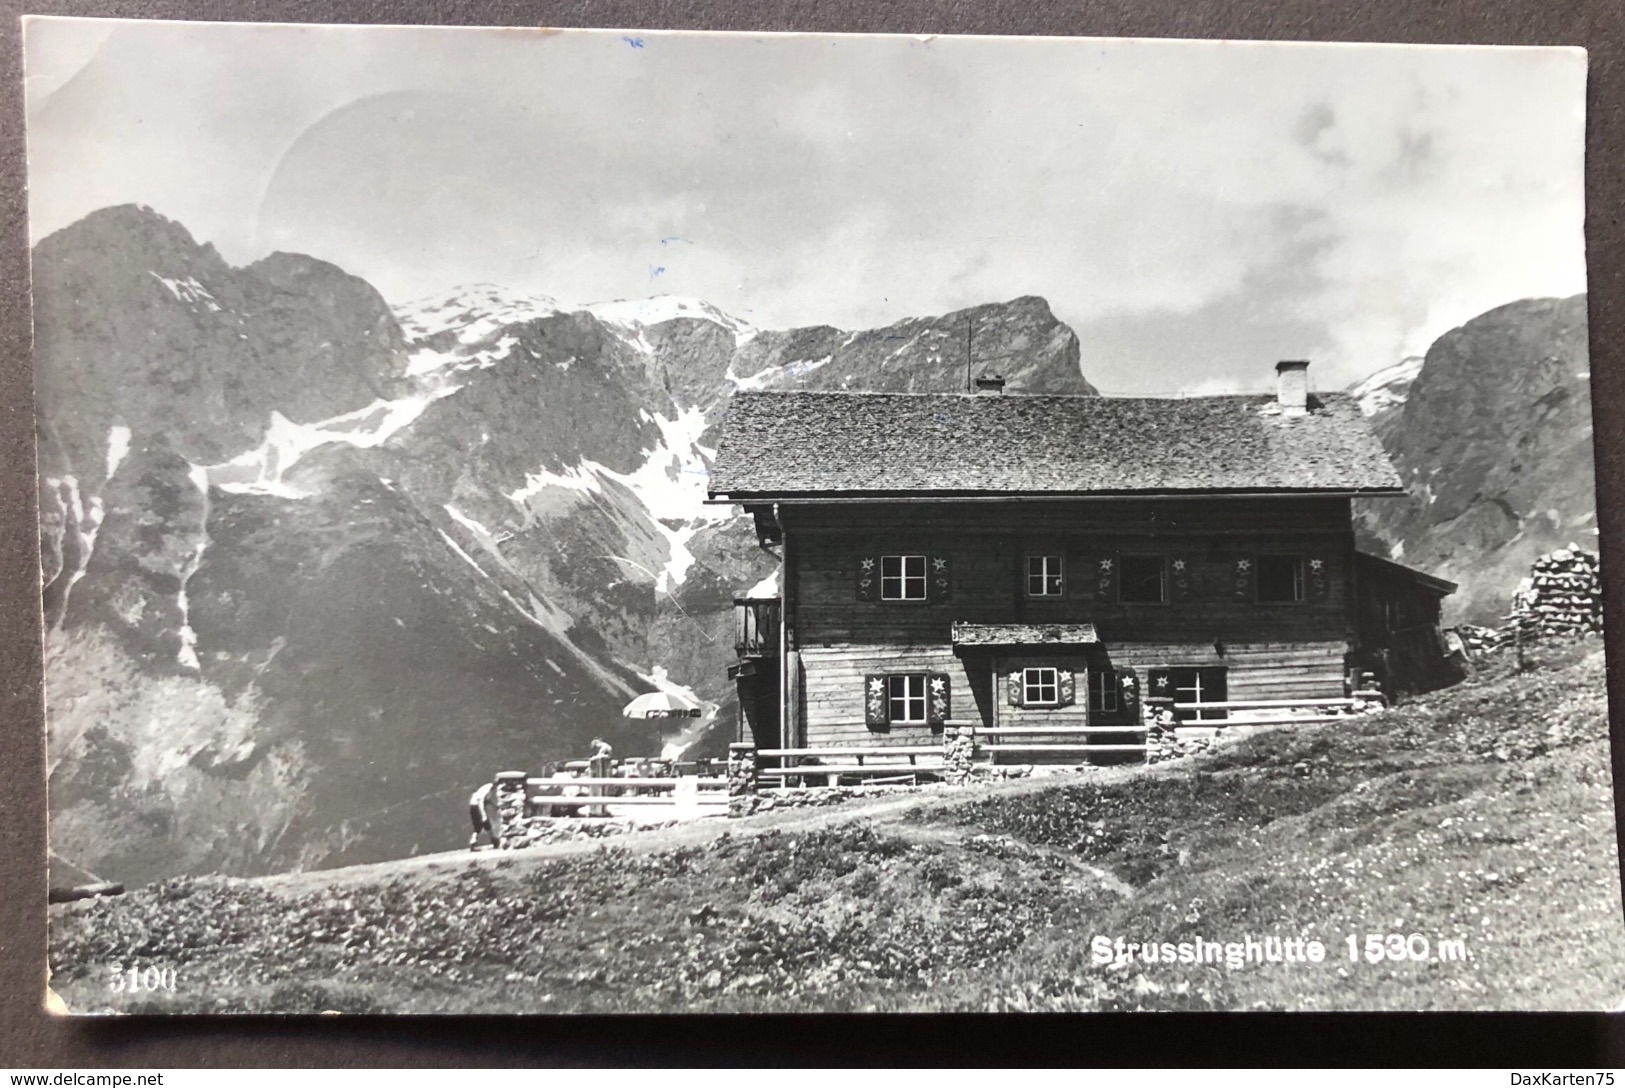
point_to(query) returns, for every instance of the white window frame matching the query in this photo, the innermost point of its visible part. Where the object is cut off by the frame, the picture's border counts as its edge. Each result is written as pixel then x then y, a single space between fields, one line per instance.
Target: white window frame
pixel 1049 567
pixel 910 574
pixel 1103 683
pixel 1034 678
pixel 1300 579
pixel 1195 689
pixel 906 691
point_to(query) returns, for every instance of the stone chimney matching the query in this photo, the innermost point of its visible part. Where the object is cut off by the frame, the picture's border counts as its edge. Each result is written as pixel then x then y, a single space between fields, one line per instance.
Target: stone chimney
pixel 990 383
pixel 1292 386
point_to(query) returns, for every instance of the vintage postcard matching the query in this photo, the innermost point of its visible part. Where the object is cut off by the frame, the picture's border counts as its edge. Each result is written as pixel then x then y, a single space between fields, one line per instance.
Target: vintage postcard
pixel 630 521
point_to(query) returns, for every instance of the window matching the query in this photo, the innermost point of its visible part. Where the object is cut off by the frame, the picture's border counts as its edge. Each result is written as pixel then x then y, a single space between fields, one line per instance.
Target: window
pixel 1103 691
pixel 1192 685
pixel 1144 580
pixel 905 698
pixel 1280 578
pixel 1044 576
pixel 1041 686
pixel 902 578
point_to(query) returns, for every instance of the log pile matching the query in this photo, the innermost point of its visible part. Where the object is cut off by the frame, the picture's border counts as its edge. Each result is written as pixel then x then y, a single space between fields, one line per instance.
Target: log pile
pixel 1561 596
pixel 1476 640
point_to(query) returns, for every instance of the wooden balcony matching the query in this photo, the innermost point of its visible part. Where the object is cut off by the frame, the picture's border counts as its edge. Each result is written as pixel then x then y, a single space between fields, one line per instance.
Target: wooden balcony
pixel 756 628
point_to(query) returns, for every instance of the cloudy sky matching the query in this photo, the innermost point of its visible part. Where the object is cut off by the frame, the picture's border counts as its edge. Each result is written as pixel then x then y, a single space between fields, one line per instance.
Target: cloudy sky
pixel 1194 210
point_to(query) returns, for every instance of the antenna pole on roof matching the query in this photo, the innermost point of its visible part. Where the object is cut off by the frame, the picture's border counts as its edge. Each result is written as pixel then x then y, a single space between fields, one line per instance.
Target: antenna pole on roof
pixel 967 354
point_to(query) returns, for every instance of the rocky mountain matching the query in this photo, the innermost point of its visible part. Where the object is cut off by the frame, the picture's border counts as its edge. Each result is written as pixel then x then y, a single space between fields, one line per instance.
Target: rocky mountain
pixel 1383 394
pixel 1492 434
pixel 314 567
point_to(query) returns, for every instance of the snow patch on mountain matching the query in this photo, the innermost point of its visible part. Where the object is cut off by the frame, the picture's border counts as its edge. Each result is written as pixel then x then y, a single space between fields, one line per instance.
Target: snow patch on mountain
pixel 635 315
pixel 773 376
pixel 118 447
pixel 473 312
pixel 187 654
pixel 1388 387
pixel 765 590
pixel 261 470
pixel 458 548
pixel 87 514
pixel 189 291
pixel 580 479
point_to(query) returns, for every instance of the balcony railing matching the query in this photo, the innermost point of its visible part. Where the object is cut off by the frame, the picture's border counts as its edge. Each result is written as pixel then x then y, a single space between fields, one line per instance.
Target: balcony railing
pixel 756 627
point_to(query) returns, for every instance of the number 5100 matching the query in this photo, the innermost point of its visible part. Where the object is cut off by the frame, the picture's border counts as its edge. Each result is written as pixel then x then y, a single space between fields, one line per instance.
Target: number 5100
pixel 129 980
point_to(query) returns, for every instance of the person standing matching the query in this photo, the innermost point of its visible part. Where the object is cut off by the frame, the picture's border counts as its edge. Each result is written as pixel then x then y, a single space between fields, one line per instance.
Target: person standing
pixel 479 813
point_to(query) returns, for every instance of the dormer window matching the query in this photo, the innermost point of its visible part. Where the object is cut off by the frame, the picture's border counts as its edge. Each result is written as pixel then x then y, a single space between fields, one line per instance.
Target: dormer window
pixel 1044 576
pixel 902 578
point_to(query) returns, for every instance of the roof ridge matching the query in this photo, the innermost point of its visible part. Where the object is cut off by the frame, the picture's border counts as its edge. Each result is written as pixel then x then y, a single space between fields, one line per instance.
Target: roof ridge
pixel 1262 395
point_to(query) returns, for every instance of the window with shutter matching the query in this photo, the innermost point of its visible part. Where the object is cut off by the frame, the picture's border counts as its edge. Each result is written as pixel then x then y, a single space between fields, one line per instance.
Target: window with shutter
pixel 903 578
pixel 1159 684
pixel 1181 572
pixel 1040 686
pixel 1128 687
pixel 1318 579
pixel 1103 694
pixel 1280 579
pixel 874 703
pixel 1199 685
pixel 1143 579
pixel 868 577
pixel 942 580
pixel 940 705
pixel 905 698
pixel 1044 576
pixel 1104 573
pixel 1243 578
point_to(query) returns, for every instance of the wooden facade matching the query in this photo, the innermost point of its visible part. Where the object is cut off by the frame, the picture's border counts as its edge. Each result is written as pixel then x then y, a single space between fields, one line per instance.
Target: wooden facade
pixel 1211 618
pixel 1396 626
pixel 1195 551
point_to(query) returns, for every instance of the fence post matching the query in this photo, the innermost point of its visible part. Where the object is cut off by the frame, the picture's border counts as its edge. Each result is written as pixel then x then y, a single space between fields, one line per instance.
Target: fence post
pixel 510 791
pixel 958 753
pixel 741 779
pixel 598 767
pixel 1371 692
pixel 685 796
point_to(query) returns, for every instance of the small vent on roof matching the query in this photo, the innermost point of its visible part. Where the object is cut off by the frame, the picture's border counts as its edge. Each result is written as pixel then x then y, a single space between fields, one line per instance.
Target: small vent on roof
pixel 990 383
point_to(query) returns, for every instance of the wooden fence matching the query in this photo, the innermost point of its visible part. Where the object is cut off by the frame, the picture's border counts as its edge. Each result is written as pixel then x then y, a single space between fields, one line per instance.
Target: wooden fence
pixel 682 797
pixel 1037 743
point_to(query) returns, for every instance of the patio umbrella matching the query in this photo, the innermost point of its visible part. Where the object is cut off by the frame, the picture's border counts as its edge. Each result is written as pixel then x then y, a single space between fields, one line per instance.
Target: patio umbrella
pixel 661 704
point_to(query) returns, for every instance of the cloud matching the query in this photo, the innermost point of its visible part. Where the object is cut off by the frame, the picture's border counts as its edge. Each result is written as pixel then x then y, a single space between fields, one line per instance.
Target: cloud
pixel 1193 209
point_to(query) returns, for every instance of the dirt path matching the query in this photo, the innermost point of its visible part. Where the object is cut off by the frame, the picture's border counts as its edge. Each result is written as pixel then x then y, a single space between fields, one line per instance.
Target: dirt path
pixel 884 809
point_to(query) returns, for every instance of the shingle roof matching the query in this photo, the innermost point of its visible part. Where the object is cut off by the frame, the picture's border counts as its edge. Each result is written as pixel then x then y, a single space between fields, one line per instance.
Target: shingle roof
pixel 787 444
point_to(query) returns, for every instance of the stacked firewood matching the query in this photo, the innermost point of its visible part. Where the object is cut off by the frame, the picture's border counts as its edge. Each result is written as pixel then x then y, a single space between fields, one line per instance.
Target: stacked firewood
pixel 1561 596
pixel 1479 640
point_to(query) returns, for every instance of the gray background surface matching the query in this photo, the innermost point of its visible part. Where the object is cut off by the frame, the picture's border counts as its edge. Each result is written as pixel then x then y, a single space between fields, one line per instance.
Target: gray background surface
pixel 31 1039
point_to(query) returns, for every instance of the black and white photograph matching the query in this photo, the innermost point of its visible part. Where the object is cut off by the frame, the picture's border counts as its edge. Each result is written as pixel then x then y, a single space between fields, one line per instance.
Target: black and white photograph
pixel 545 521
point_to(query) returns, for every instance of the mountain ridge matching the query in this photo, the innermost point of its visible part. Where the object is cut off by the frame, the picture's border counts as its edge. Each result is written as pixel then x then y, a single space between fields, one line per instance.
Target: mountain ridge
pixel 314 566
pixel 295 613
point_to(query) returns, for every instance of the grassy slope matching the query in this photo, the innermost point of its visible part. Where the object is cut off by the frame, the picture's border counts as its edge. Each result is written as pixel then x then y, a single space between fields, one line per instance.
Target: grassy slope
pixel 1483 814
